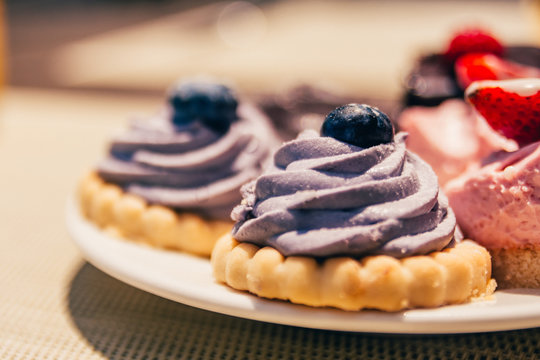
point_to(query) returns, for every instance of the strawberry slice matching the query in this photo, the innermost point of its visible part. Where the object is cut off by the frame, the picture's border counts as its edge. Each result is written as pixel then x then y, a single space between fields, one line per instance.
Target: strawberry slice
pixel 510 107
pixel 475 67
pixel 472 41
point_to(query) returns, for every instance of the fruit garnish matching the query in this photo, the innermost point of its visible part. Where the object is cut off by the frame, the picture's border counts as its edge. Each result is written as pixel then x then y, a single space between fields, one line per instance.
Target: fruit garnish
pixel 472 41
pixel 476 67
pixel 213 104
pixel 358 124
pixel 510 107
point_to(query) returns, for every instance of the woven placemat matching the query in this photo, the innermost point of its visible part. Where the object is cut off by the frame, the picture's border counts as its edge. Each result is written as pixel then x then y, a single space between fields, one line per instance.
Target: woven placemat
pixel 122 322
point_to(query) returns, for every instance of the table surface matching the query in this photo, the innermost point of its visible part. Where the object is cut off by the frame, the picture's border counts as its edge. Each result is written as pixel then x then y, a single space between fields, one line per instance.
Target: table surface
pixel 54 305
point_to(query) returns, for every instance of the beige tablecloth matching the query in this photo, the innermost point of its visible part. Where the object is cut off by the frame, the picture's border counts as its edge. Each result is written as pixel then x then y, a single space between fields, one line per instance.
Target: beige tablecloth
pixel 54 305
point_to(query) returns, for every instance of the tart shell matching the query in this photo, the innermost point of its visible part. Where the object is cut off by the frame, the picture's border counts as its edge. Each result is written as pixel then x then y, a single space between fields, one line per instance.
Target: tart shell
pixel 130 217
pixel 452 276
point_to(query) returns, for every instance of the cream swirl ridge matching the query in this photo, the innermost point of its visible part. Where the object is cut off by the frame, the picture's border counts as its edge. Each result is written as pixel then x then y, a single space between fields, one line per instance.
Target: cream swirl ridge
pixel 325 197
pixel 189 167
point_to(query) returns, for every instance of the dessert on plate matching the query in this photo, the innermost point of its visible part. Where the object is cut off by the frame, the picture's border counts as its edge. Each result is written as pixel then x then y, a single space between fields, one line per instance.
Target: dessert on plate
pixel 472 54
pixel 499 204
pixel 350 219
pixel 171 180
pixel 445 131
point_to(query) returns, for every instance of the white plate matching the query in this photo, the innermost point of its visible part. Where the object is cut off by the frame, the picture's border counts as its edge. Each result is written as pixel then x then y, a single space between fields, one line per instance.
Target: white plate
pixel 188 280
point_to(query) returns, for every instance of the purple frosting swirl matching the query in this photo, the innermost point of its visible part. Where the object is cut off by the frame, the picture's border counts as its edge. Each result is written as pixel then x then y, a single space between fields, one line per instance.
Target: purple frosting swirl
pixel 190 167
pixel 325 197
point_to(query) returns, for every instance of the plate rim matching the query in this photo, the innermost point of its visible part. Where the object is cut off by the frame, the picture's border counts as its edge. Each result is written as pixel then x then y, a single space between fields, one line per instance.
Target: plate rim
pixel 442 320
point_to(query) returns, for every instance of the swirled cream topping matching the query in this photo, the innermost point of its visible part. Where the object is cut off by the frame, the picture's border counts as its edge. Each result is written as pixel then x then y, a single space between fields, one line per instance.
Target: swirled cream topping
pixel 324 197
pixel 190 167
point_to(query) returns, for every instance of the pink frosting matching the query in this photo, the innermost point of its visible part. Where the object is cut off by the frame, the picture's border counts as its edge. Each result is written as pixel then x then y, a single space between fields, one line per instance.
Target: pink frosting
pixel 499 205
pixel 450 137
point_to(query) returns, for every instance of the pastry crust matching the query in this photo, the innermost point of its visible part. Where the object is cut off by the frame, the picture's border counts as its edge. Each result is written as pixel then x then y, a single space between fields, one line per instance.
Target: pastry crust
pixel 131 217
pixel 451 276
pixel 517 268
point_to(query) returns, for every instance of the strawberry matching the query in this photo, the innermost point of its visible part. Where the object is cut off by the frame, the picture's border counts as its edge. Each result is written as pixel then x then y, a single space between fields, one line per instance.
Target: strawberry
pixel 475 67
pixel 510 107
pixel 472 41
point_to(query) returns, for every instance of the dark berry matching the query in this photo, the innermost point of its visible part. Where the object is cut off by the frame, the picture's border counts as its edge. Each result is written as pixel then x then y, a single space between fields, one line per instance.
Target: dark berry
pixel 212 104
pixel 360 125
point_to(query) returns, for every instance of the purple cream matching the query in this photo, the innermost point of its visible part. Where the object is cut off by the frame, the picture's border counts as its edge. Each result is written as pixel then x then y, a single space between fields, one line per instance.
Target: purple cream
pixel 324 197
pixel 190 167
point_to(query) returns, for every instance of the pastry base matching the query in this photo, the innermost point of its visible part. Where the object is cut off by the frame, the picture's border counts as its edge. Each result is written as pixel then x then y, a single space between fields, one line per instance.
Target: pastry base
pixel 131 217
pixel 381 282
pixel 517 268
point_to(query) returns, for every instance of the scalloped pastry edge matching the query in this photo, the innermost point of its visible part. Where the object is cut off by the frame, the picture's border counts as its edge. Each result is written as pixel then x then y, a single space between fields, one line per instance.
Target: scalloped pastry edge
pixel 452 276
pixel 130 217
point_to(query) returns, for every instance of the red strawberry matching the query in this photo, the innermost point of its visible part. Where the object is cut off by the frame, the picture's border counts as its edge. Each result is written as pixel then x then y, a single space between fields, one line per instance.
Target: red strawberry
pixel 472 41
pixel 511 107
pixel 475 67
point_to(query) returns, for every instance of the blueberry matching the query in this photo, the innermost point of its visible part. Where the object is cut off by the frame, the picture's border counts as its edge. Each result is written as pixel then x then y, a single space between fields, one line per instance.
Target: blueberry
pixel 213 104
pixel 360 125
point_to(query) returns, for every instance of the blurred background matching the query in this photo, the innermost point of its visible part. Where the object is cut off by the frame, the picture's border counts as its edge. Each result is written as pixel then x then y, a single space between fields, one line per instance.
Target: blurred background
pixel 353 48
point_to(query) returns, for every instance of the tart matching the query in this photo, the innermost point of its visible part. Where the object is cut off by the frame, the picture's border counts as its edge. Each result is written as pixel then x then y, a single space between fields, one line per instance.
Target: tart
pixel 499 203
pixel 171 180
pixel 349 218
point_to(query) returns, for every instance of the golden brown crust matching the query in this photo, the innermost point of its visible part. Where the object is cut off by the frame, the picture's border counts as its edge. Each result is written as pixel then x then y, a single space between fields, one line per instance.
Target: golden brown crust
pixel 517 268
pixel 382 282
pixel 130 217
